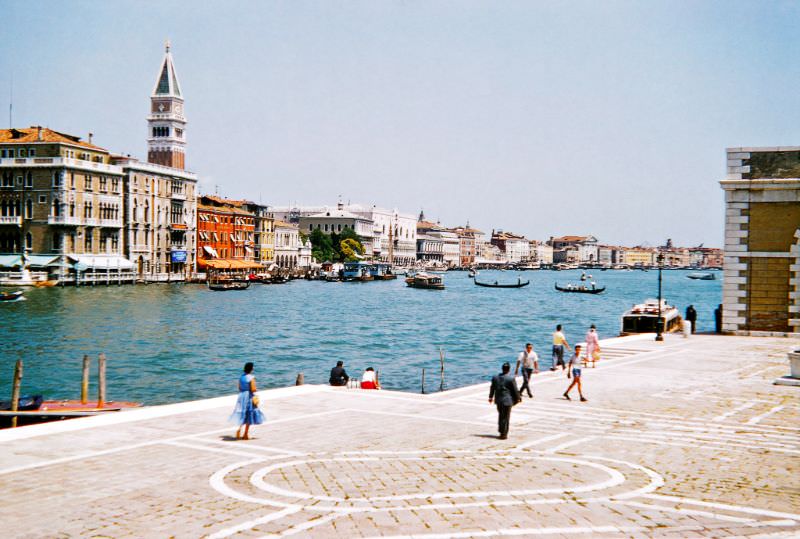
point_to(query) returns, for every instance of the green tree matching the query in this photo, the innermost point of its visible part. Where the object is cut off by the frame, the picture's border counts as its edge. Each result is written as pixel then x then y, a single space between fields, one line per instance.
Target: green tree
pixel 351 249
pixel 322 248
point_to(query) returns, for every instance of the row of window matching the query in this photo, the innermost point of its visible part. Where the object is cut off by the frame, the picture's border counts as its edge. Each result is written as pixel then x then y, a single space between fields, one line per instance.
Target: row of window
pixel 214 218
pixel 332 229
pixel 20 152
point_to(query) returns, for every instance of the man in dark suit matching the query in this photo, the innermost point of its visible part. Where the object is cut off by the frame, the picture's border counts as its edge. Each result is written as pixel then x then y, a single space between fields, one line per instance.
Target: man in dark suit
pixel 339 375
pixel 505 394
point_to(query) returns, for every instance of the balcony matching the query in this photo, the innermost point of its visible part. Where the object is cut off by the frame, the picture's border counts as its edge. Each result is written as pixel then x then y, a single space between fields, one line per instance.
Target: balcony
pixel 178 227
pixel 139 248
pixel 109 223
pixel 178 196
pixel 11 220
pixel 65 220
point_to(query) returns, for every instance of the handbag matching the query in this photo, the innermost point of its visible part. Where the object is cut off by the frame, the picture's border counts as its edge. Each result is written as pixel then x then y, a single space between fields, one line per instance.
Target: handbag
pixel 256 400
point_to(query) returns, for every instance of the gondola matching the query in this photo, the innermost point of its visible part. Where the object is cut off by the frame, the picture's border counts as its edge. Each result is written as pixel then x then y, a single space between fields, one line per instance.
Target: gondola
pixel 519 284
pixel 580 289
pixel 223 285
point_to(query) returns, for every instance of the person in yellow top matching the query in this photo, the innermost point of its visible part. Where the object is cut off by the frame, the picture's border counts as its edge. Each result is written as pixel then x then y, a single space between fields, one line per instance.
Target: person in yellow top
pixel 559 342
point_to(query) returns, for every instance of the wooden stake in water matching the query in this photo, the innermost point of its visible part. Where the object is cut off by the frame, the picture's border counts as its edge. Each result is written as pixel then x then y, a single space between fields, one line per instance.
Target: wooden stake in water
pixel 101 380
pixel 15 391
pixel 300 379
pixel 423 380
pixel 85 380
pixel 441 372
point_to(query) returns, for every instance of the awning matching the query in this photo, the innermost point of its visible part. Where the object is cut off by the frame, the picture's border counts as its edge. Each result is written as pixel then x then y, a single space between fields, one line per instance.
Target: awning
pixel 227 263
pixel 101 262
pixel 43 261
pixel 210 250
pixel 10 261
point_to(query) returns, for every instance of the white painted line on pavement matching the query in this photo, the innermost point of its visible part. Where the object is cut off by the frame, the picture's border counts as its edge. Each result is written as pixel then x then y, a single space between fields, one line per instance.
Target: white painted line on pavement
pixel 697 512
pixel 223 451
pixel 758 418
pixel 540 440
pixel 715 505
pixel 515 532
pixel 558 448
pixel 250 524
pixel 736 410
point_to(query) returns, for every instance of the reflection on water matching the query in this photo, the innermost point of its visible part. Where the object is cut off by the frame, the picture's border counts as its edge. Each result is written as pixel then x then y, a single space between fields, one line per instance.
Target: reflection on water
pixel 168 343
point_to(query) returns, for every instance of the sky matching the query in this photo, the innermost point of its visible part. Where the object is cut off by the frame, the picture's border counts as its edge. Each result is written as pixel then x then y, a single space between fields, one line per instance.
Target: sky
pixel 540 118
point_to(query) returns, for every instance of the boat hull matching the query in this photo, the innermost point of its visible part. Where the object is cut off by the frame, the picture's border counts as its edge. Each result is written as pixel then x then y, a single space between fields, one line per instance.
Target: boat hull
pixel 497 285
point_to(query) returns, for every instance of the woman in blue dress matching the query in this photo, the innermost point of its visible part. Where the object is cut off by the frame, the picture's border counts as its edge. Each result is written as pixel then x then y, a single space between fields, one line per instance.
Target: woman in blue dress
pixel 246 412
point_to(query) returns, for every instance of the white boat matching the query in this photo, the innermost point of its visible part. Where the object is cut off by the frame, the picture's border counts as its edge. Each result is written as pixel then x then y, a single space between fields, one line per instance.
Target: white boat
pixel 642 318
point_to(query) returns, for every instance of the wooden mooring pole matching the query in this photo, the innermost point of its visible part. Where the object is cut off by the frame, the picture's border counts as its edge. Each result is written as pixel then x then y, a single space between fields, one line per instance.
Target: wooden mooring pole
pixel 300 379
pixel 101 380
pixel 423 380
pixel 85 380
pixel 441 372
pixel 15 391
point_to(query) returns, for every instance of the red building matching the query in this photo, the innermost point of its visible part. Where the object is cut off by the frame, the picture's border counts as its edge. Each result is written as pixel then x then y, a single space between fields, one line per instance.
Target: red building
pixel 225 233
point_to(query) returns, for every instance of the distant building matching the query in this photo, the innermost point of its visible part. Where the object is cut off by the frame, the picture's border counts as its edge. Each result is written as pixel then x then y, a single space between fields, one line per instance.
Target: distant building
pixel 290 251
pixel 225 234
pixel 337 221
pixel 516 248
pixel 468 238
pixel 541 253
pixel 263 233
pixel 585 248
pixel 61 201
pixel 388 227
pixel 761 287
pixel 639 256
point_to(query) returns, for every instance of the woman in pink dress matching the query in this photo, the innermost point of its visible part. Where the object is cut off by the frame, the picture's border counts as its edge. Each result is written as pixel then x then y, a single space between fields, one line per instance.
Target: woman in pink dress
pixel 592 346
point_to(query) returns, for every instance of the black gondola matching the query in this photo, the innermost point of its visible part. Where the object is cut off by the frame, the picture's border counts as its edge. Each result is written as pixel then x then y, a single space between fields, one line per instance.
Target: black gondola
pixel 518 284
pixel 581 289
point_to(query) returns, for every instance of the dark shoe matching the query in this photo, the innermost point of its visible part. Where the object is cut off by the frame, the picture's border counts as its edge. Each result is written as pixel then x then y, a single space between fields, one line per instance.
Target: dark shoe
pixel 552 368
pixel 567 397
pixel 583 399
pixel 530 396
pixel 503 437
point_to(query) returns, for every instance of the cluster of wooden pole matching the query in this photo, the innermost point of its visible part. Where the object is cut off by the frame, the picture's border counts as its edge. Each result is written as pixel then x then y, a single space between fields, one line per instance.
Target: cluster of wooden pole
pixel 101 384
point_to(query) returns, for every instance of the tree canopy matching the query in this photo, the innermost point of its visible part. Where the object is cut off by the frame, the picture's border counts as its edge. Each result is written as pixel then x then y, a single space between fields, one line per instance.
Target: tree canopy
pixel 335 247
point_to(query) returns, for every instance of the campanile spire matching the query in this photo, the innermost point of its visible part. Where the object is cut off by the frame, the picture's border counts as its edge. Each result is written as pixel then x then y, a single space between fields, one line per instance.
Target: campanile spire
pixel 166 142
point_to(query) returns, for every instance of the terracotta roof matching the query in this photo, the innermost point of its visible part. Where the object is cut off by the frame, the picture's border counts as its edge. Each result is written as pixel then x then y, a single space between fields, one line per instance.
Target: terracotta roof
pixel 223 209
pixel 224 201
pixel 31 135
pixel 428 225
pixel 571 238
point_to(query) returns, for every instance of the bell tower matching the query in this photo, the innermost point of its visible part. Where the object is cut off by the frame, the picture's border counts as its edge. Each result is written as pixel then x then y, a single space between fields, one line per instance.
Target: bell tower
pixel 166 140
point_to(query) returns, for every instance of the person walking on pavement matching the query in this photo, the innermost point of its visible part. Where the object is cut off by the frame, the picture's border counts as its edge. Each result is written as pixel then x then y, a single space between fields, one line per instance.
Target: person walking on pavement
pixel 504 394
pixel 592 346
pixel 559 342
pixel 691 316
pixel 529 361
pixel 575 368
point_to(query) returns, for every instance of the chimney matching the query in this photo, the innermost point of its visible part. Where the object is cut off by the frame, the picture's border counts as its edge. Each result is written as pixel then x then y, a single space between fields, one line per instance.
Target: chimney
pixel 90 137
pixel 39 133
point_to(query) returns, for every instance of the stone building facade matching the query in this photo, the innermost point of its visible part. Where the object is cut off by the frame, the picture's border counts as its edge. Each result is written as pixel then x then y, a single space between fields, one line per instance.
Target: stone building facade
pixel 59 196
pixel 761 287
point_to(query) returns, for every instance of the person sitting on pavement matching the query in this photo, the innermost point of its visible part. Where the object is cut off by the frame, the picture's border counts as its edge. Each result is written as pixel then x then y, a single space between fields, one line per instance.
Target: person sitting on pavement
pixel 339 375
pixel 370 379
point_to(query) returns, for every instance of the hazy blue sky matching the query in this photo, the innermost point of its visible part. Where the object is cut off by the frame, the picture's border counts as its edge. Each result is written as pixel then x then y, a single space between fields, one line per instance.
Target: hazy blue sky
pixel 542 118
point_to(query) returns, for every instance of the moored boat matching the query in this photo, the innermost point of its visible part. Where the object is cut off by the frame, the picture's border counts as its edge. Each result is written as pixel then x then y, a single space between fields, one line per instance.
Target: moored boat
pixel 643 318
pixel 426 281
pixel 221 285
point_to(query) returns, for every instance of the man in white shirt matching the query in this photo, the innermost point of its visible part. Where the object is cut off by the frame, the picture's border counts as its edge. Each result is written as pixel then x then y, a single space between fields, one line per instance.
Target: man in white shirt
pixel 529 361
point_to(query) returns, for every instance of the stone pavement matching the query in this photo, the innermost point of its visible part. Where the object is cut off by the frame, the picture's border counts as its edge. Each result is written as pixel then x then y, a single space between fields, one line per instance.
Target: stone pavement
pixel 685 438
